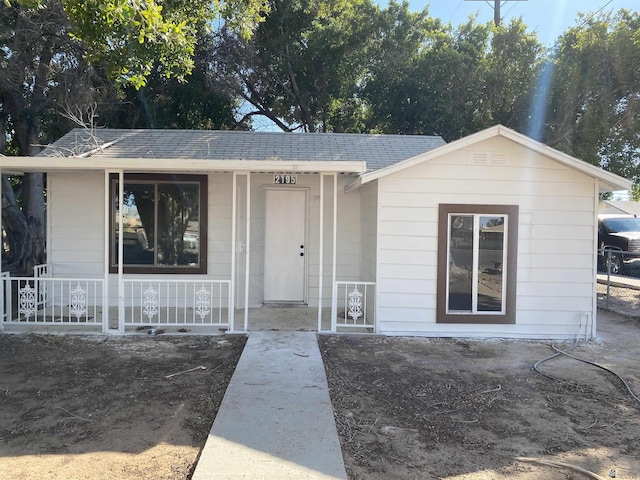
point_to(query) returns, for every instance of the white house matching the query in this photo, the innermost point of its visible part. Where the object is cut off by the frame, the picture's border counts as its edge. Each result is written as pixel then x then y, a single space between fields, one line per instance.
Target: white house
pixel 493 235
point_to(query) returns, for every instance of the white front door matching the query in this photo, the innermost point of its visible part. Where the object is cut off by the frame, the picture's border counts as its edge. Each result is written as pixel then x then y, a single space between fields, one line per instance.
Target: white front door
pixel 285 249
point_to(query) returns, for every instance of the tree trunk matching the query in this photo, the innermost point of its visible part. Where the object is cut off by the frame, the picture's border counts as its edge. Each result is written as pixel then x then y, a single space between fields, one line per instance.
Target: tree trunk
pixel 24 235
pixel 24 228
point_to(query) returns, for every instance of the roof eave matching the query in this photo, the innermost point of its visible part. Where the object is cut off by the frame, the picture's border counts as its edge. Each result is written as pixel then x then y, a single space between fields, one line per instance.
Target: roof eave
pixel 50 164
pixel 608 181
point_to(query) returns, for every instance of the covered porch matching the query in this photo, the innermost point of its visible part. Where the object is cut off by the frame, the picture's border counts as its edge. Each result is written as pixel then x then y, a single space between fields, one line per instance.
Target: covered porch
pixel 256 213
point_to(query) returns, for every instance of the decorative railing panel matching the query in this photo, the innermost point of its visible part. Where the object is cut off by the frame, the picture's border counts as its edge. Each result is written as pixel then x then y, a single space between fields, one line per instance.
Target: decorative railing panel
pixel 177 302
pixel 52 301
pixel 356 304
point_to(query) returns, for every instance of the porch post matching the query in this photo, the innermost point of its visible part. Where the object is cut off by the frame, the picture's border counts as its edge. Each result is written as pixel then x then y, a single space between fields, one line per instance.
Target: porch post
pixel 334 287
pixel 2 283
pixel 247 255
pixel 321 252
pixel 48 229
pixel 232 287
pixel 120 252
pixel 107 235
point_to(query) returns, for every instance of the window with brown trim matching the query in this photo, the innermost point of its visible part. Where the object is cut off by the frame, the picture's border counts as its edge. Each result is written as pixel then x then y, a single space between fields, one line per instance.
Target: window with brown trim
pixel 164 223
pixel 477 254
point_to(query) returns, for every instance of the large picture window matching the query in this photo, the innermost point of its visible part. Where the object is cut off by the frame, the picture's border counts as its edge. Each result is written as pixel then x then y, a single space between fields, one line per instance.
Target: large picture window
pixel 164 223
pixel 477 263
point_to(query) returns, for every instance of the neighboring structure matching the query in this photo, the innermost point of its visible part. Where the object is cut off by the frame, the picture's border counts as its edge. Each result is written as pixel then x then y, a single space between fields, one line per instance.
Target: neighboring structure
pixel 619 207
pixel 493 235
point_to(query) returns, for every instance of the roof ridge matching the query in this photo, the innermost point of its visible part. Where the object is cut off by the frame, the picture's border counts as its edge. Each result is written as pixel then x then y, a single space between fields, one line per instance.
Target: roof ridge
pixel 256 132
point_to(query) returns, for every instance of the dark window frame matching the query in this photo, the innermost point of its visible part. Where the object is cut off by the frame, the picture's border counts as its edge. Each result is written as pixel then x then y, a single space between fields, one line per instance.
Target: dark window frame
pixel 152 179
pixel 509 315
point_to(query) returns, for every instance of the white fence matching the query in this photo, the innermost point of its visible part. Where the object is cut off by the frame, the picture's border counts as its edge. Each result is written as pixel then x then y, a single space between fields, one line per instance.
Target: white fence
pixel 183 303
pixel 52 301
pixel 357 301
pixel 177 302
pixel 5 291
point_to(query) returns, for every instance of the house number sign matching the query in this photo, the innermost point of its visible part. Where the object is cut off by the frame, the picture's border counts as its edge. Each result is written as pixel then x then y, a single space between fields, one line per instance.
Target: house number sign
pixel 281 179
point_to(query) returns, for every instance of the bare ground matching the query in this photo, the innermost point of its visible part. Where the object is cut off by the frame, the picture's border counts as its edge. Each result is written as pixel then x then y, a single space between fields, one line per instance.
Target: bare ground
pixel 416 408
pixel 102 408
pixel 406 408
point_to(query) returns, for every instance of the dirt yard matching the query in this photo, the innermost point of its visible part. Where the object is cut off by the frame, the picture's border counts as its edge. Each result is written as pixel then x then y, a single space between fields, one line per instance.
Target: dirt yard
pixel 406 408
pixel 103 408
pixel 409 408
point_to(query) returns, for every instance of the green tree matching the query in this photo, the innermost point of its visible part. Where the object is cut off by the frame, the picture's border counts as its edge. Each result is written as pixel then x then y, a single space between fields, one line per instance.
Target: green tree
pixel 169 103
pixel 394 89
pixel 450 82
pixel 302 67
pixel 56 55
pixel 594 101
pixel 134 38
pixel 40 68
pixel 512 67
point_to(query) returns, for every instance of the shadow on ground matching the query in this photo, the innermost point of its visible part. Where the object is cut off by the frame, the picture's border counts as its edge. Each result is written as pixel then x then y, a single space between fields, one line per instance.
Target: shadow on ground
pixel 102 407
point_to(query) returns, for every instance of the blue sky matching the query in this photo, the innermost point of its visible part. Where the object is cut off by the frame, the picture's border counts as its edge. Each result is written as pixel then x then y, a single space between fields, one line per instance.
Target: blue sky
pixel 550 18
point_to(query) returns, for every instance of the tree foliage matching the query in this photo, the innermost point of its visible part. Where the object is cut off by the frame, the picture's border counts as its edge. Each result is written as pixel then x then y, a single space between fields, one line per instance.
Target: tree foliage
pixel 351 66
pixel 302 66
pixel 594 102
pixel 135 38
pixel 450 81
pixel 169 103
pixel 40 68
pixel 60 56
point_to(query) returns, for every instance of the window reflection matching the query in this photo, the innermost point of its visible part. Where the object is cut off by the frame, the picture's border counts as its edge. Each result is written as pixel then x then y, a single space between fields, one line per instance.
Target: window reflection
pixel 160 224
pixel 490 259
pixel 476 245
pixel 461 263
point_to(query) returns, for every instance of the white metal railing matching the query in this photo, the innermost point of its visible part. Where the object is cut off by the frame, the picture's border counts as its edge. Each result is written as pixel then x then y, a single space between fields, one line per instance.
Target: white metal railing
pixel 177 302
pixel 42 271
pixel 65 301
pixel 6 296
pixel 358 303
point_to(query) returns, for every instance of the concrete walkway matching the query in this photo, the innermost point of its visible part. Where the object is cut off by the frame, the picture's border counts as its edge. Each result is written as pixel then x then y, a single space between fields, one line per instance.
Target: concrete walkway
pixel 276 419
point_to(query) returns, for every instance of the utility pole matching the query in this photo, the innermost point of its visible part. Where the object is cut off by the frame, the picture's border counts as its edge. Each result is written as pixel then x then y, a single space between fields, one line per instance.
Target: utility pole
pixel 496 7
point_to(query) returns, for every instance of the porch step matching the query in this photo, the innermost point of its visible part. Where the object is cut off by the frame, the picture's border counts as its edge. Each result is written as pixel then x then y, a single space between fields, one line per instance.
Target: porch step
pixel 276 419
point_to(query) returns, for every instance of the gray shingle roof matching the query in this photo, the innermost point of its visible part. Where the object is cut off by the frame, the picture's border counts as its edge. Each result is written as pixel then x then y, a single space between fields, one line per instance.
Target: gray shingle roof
pixel 377 150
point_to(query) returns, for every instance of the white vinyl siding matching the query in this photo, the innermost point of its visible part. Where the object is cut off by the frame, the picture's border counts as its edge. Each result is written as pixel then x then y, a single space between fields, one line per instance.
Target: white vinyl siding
pixel 76 216
pixel 348 235
pixel 368 226
pixel 555 239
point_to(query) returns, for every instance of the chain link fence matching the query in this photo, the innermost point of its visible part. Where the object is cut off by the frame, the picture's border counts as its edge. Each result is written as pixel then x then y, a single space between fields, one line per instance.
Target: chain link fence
pixel 619 282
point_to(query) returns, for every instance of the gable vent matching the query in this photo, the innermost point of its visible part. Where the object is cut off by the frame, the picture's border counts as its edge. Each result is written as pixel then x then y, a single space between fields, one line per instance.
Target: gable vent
pixel 488 158
pixel 498 159
pixel 480 159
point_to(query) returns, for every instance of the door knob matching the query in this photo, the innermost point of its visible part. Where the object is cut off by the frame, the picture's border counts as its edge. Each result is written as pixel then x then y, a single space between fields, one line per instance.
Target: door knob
pixel 301 254
pixel 301 246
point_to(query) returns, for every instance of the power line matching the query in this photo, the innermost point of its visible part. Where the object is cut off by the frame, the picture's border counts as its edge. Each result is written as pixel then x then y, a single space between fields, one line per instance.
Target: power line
pixel 454 12
pixel 596 12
